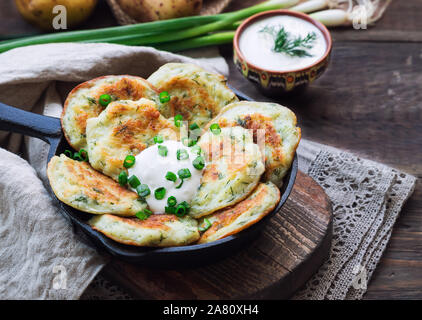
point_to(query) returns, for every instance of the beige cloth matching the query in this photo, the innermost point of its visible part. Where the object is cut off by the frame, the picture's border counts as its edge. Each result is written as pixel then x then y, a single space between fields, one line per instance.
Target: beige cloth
pixel 38 244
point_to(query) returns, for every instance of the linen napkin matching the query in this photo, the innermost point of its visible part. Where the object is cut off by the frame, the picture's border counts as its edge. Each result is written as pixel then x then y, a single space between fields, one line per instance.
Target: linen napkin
pixel 39 250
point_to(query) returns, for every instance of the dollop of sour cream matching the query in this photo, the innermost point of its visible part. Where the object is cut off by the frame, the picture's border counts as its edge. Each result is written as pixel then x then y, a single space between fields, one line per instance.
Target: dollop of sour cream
pixel 151 168
pixel 257 47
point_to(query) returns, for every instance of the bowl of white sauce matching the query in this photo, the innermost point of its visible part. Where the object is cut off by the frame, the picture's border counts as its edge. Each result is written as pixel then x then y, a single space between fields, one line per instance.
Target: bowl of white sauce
pixel 281 50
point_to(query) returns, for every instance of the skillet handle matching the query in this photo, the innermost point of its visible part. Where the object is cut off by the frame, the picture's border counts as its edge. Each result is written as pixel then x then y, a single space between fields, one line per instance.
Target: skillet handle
pixel 30 124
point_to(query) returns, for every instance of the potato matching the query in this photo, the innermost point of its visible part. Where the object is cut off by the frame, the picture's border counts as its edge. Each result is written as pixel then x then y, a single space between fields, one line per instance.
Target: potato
pixel 40 12
pixel 151 10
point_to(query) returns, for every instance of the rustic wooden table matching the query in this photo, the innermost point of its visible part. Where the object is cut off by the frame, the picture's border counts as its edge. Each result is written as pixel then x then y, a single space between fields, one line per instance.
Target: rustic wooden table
pixel 368 102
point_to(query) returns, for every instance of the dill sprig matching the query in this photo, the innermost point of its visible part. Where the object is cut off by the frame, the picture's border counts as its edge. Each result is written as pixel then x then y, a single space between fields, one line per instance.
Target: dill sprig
pixel 292 46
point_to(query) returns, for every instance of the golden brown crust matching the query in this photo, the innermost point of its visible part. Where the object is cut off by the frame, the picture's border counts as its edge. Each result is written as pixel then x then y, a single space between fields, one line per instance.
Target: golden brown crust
pixel 80 186
pixel 158 230
pixel 195 93
pixel 126 87
pixel 125 127
pixel 261 202
pixel 274 130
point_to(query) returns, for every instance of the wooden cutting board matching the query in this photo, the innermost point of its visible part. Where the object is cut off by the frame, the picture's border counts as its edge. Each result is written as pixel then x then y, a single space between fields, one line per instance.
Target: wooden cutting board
pixel 288 251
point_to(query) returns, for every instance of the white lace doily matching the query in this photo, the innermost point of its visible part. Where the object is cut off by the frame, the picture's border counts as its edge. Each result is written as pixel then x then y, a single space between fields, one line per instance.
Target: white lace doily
pixel 367 198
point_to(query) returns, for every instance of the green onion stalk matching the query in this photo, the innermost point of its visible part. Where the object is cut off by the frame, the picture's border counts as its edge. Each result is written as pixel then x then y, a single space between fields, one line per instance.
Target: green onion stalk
pixel 227 21
pixel 153 33
pixel 187 32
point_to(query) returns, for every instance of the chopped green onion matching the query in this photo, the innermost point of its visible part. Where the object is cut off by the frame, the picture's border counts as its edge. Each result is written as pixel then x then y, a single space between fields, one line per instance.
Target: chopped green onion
pixel 159 193
pixel 178 118
pixel 191 142
pixel 158 139
pixel 180 185
pixel 144 214
pixel 185 141
pixel 164 97
pixel 170 210
pixel 84 154
pixel 123 178
pixel 182 209
pixel 129 161
pixel 171 201
pixel 68 153
pixel 184 173
pixel 104 100
pixel 162 151
pixel 193 126
pixel 199 163
pixel 77 157
pixel 182 154
pixel 143 190
pixel 134 181
pixel 205 225
pixel 171 176
pixel 197 150
pixel 215 128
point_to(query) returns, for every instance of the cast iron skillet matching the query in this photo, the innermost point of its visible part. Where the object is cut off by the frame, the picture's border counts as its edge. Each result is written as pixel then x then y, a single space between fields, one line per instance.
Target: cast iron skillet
pixel 49 130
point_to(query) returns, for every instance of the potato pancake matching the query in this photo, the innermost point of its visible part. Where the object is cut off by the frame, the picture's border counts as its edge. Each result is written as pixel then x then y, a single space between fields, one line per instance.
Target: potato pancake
pixel 124 128
pixel 195 93
pixel 274 130
pixel 158 230
pixel 244 214
pixel 82 103
pixel 78 185
pixel 233 170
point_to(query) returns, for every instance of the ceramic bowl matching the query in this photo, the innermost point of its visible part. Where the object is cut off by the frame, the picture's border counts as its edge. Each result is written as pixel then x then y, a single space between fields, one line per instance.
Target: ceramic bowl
pixel 275 82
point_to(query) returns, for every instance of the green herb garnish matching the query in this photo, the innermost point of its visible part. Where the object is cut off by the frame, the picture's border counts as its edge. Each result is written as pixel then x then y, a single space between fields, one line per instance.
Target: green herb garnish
pixel 170 210
pixel 162 151
pixel 129 161
pixel 205 225
pixel 134 181
pixel 171 201
pixel 198 163
pixel 182 154
pixel 178 118
pixel 82 155
pixel 164 97
pixel 143 190
pixel 104 100
pixel 159 193
pixel 285 43
pixel 144 214
pixel 123 178
pixel 182 209
pixel 197 150
pixel 170 176
pixel 215 128
pixel 184 173
pixel 158 139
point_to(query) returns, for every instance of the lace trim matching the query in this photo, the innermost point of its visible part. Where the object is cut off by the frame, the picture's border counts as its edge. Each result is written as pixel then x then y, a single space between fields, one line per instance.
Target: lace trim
pixel 366 199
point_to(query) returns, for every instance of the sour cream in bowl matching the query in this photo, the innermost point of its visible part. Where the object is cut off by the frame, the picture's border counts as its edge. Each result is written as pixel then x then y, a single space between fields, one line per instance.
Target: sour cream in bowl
pixel 281 50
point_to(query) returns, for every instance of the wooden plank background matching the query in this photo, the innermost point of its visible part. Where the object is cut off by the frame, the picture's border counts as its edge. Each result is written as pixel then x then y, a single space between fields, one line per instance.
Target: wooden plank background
pixel 368 102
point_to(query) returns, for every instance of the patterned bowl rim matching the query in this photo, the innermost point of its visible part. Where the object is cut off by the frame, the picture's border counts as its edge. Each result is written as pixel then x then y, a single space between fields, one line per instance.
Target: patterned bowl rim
pixel 299 15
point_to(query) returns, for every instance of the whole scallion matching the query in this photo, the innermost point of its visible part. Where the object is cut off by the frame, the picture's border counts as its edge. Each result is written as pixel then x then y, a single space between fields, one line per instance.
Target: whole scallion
pixel 158 32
